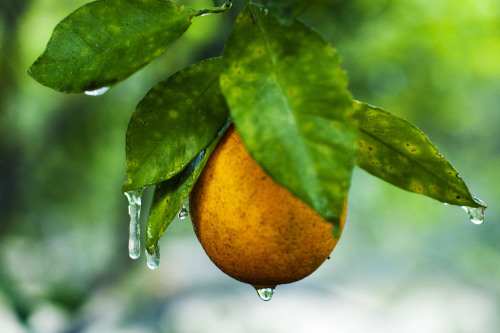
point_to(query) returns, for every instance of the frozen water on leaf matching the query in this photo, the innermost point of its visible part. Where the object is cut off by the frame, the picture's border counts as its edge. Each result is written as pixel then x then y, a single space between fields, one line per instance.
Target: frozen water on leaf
pixel 183 213
pixel 134 210
pixel 265 294
pixel 153 260
pixel 97 92
pixel 476 214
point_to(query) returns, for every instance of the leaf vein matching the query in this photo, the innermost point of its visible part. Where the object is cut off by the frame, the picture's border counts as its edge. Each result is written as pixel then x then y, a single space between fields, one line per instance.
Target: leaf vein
pixel 414 161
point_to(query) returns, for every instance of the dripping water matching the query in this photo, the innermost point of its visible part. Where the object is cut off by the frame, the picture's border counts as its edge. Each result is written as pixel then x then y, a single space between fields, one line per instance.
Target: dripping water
pixel 134 210
pixel 153 260
pixel 476 214
pixel 183 213
pixel 265 293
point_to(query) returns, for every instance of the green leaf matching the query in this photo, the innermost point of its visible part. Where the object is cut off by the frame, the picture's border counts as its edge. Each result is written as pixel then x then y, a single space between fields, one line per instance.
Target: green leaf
pixel 286 11
pixel 218 3
pixel 106 41
pixel 177 119
pixel 396 151
pixel 170 195
pixel 288 98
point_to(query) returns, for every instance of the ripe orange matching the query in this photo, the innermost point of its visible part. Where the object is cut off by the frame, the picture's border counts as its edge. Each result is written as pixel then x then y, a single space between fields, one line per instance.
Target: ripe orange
pixel 252 228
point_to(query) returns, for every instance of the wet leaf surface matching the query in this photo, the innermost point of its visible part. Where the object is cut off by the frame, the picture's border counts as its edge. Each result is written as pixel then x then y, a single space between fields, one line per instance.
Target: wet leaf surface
pixel 286 11
pixel 174 122
pixel 106 41
pixel 170 195
pixel 288 98
pixel 396 151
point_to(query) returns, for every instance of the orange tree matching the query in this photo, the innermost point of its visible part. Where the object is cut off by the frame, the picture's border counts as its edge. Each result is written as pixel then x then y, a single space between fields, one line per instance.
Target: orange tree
pixel 278 80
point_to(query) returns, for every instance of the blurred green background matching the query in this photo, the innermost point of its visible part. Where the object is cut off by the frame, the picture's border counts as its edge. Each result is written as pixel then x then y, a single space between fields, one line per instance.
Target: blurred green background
pixel 405 263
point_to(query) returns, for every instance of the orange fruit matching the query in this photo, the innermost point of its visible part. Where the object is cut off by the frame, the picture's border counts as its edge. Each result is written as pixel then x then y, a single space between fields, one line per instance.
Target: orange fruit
pixel 252 228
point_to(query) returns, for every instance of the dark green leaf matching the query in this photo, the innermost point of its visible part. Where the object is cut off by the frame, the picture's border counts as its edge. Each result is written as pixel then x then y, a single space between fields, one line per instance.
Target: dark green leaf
pixel 218 3
pixel 289 101
pixel 177 119
pixel 170 195
pixel 106 41
pixel 286 11
pixel 396 151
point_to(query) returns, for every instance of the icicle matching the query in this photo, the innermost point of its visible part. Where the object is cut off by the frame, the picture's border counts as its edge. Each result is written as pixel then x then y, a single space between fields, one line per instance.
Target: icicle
pixel 134 210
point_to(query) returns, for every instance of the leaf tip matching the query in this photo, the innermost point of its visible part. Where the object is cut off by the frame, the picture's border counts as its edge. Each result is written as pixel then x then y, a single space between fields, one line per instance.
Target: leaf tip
pixel 480 203
pixel 33 70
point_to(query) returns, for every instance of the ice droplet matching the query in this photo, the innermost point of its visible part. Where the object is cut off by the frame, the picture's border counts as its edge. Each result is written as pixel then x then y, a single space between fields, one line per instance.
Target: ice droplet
pixel 153 260
pixel 476 214
pixel 183 213
pixel 97 92
pixel 265 294
pixel 134 210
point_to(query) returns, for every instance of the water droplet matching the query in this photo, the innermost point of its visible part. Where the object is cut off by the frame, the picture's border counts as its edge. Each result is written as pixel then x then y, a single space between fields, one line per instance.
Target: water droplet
pixel 476 214
pixel 134 210
pixel 97 92
pixel 183 213
pixel 265 293
pixel 153 260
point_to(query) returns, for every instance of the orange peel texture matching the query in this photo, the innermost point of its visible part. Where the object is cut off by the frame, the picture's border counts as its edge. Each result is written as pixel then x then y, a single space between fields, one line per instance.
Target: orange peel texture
pixel 252 228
